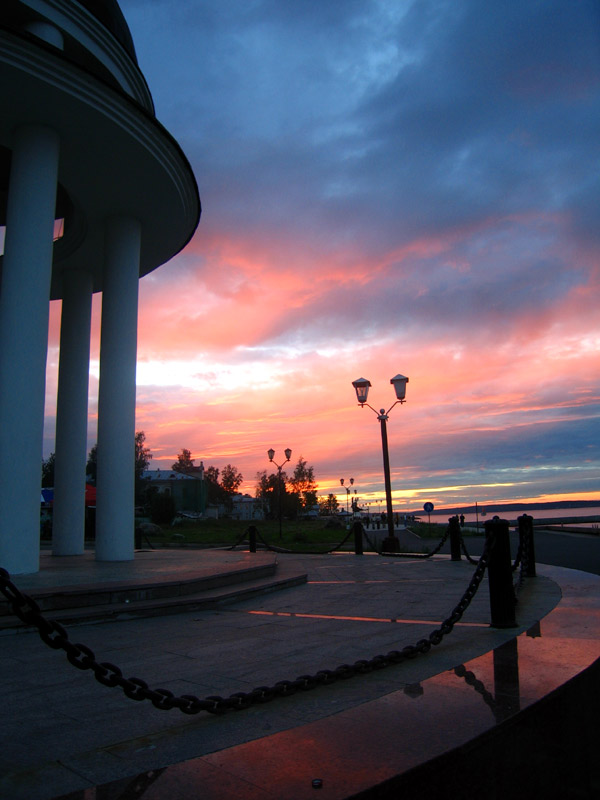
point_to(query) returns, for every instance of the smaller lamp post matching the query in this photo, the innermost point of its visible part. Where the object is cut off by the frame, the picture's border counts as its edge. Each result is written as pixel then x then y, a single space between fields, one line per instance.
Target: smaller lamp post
pixel 288 455
pixel 348 490
pixel 354 504
pixel 362 386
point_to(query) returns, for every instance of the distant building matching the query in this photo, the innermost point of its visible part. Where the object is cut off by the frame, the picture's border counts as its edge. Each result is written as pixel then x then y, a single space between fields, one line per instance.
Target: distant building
pixel 189 492
pixel 246 507
pixel 311 512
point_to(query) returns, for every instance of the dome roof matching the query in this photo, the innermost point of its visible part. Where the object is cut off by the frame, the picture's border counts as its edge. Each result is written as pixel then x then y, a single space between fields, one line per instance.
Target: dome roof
pixel 110 15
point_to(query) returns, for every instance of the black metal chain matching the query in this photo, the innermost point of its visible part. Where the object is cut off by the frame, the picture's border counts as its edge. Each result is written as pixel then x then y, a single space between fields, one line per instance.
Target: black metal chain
pixel 469 558
pixel 79 655
pixel 239 541
pixel 370 543
pixel 518 557
pixel 523 558
pixel 519 560
pixel 276 549
pixel 472 680
pixel 434 552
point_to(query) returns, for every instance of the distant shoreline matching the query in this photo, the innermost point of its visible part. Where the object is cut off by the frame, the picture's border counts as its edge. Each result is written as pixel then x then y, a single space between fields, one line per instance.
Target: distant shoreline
pixel 490 509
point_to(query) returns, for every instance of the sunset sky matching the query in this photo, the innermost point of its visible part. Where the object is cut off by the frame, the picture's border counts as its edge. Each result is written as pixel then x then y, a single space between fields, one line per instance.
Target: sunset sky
pixel 388 186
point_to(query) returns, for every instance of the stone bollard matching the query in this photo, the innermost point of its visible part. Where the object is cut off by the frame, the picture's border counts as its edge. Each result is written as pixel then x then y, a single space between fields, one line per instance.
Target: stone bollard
pixel 252 538
pixel 358 531
pixel 454 526
pixel 502 595
pixel 527 544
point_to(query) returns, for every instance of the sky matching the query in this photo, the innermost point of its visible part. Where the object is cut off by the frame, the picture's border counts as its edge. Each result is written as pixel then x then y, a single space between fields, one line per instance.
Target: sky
pixel 388 186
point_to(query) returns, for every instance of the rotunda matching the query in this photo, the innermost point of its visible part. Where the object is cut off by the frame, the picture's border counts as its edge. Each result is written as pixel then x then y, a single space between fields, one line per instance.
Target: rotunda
pixel 94 194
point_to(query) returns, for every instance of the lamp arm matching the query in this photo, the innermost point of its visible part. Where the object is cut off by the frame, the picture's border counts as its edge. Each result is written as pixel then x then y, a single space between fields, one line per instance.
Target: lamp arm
pixel 362 405
pixel 395 404
pixel 377 412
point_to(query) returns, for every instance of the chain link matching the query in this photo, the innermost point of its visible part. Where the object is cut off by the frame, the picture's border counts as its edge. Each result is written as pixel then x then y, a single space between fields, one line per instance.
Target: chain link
pixel 463 546
pixel 472 680
pixel 523 557
pixel 82 657
pixel 520 559
pixel 519 556
pixel 434 552
pixel 370 543
pixel 277 549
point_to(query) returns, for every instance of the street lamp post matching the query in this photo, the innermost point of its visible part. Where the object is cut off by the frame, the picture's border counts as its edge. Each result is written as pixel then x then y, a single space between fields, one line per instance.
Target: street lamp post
pixel 288 455
pixel 361 386
pixel 348 490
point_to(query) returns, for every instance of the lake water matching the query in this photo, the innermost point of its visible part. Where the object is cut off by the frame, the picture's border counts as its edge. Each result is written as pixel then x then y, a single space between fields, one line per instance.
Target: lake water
pixel 537 513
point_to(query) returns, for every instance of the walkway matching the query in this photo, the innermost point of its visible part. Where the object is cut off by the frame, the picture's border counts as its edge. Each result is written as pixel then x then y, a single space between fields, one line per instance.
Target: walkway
pixel 81 734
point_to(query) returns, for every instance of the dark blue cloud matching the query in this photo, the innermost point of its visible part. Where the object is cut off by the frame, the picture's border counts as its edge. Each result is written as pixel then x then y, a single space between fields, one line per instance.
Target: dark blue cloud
pixel 451 147
pixel 375 127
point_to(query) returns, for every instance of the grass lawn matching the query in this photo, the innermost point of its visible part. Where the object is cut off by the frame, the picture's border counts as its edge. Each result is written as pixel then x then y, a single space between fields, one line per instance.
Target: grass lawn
pixel 298 535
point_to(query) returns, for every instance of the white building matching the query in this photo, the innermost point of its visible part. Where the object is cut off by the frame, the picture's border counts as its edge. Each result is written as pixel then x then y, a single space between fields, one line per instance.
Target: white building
pixel 246 507
pixel 83 158
pixel 188 491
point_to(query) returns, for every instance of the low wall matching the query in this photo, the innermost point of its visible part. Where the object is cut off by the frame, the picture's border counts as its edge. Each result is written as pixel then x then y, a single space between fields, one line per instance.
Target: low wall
pixel 548 750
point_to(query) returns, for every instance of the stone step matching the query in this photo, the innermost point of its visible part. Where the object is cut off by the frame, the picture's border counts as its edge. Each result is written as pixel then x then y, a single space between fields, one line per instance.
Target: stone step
pixel 71 606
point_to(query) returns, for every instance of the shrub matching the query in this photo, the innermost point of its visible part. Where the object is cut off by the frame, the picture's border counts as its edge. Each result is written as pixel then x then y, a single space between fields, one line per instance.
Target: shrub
pixel 162 508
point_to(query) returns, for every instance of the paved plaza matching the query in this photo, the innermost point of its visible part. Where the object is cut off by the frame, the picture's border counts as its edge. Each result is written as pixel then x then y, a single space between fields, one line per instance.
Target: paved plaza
pixel 80 733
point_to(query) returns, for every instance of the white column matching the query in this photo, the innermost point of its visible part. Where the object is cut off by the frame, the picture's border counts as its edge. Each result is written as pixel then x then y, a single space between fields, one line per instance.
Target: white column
pixel 115 489
pixel 24 311
pixel 68 526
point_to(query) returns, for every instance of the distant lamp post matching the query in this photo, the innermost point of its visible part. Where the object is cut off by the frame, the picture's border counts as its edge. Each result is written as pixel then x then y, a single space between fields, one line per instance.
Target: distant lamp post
pixel 348 490
pixel 354 504
pixel 362 386
pixel 288 455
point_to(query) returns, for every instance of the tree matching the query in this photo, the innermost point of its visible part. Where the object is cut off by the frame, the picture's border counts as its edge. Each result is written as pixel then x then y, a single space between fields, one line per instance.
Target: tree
pixel 272 491
pixel 265 490
pixel 304 486
pixel 162 508
pixel 91 468
pixel 231 479
pixel 142 459
pixel 328 505
pixel 215 493
pixel 48 472
pixel 211 474
pixel 220 492
pixel 142 454
pixel 184 463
